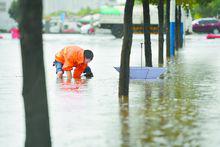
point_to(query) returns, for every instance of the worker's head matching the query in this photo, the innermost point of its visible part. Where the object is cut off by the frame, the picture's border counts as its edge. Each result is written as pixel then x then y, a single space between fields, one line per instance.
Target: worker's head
pixel 88 54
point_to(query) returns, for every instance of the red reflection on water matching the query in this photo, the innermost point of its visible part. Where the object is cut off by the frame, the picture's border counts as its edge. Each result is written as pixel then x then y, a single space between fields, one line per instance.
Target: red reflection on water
pixel 71 86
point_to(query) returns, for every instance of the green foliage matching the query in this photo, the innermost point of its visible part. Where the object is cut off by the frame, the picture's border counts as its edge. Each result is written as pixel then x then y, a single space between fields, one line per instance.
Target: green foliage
pixel 184 3
pixel 215 7
pixel 203 2
pixel 199 8
pixel 153 2
pixel 138 2
pixel 58 13
pixel 82 12
pixel 86 11
pixel 14 11
pixel 206 8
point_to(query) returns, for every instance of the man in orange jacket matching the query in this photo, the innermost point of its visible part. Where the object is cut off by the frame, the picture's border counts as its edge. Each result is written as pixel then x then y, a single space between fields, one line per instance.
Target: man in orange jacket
pixel 73 56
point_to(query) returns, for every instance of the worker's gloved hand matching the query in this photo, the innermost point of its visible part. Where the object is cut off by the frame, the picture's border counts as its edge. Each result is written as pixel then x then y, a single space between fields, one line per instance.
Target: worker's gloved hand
pixel 89 75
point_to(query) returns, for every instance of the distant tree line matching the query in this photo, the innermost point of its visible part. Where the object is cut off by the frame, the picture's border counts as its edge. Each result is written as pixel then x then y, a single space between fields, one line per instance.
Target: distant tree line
pixel 206 8
pixel 128 34
pixel 14 11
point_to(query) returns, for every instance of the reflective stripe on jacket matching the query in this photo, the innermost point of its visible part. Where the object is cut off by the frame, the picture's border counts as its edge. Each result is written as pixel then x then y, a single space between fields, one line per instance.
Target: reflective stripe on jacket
pixel 72 56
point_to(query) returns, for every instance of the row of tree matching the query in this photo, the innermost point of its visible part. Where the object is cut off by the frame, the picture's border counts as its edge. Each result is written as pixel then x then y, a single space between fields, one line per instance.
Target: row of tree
pixel 127 41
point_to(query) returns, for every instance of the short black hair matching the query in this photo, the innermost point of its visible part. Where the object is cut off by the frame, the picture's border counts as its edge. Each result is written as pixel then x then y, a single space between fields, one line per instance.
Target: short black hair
pixel 88 54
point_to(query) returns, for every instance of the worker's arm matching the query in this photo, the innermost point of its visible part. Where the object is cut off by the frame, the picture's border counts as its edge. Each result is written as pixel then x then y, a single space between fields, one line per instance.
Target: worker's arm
pixel 79 70
pixel 69 75
pixel 68 64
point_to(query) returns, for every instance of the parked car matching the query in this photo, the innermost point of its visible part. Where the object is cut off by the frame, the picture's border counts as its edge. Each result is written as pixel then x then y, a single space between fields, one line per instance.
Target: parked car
pixel 87 29
pixel 71 27
pixel 55 26
pixel 206 25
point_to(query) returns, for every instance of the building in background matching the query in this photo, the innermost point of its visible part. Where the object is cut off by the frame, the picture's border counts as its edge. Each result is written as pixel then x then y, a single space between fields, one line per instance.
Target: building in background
pixel 74 5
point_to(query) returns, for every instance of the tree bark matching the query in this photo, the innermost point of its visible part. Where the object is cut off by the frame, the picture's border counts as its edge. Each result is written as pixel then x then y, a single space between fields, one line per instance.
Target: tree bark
pixel 147 39
pixel 161 29
pixel 126 49
pixel 177 28
pixel 34 85
pixel 168 28
pixel 180 32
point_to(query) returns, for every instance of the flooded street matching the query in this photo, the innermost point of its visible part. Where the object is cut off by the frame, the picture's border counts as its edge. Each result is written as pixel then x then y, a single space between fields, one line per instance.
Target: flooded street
pixel 180 109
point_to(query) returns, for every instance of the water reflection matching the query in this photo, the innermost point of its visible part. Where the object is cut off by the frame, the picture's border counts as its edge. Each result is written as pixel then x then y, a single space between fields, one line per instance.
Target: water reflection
pixel 71 85
pixel 124 119
pixel 168 115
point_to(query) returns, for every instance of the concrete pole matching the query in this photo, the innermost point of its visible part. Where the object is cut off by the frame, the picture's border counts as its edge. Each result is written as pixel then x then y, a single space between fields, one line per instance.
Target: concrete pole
pixel 172 27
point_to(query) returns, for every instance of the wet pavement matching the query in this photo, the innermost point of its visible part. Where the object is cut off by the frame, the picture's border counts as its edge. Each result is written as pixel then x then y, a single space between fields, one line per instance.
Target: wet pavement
pixel 181 109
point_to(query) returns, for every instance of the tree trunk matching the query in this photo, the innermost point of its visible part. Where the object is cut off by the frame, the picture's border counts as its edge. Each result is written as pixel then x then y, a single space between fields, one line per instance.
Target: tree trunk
pixel 180 31
pixel 124 117
pixel 147 39
pixel 168 28
pixel 34 85
pixel 161 24
pixel 126 49
pixel 177 28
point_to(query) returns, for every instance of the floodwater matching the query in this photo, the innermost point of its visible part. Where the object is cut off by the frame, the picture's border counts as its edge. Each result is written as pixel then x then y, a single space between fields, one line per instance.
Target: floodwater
pixel 180 109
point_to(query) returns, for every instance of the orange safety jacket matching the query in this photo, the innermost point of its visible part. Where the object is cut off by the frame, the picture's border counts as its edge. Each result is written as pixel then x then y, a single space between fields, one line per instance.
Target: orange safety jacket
pixel 72 56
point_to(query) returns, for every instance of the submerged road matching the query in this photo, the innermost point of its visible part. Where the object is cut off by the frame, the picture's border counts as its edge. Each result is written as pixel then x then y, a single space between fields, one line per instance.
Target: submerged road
pixel 181 109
